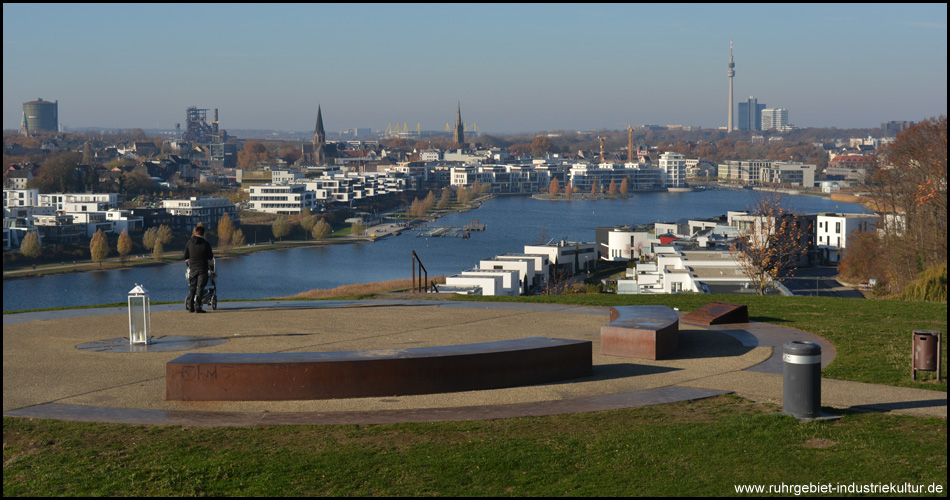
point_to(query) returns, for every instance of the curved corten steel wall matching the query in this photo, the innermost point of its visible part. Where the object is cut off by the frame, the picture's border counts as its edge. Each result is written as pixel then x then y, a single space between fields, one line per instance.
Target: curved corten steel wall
pixel 353 374
pixel 646 332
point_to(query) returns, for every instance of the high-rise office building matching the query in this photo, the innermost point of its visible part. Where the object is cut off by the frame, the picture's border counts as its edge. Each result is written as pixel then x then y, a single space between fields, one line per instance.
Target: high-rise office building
pixel 774 119
pixel 750 114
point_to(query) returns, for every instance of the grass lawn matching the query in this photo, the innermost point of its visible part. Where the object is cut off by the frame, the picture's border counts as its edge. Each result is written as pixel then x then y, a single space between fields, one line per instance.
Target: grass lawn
pixel 705 447
pixel 699 448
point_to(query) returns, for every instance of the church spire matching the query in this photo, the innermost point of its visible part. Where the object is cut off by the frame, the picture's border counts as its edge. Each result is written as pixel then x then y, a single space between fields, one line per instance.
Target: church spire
pixel 319 135
pixel 319 139
pixel 459 136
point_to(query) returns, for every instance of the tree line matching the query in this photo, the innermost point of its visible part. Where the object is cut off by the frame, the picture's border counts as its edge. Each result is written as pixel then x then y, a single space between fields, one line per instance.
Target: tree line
pixel 909 188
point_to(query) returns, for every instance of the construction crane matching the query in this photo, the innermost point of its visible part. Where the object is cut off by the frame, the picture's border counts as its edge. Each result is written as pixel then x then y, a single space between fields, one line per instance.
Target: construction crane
pixel 629 144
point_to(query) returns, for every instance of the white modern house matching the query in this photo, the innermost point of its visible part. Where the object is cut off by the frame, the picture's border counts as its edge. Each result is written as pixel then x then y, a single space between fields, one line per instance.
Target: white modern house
pixel 569 257
pixel 524 268
pixel 488 284
pixel 677 271
pixel 833 230
pixel 510 280
pixel 540 264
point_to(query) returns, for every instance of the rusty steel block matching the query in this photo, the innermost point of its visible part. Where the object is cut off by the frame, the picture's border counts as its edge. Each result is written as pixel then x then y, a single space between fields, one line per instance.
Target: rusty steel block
pixel 646 332
pixel 395 372
pixel 718 313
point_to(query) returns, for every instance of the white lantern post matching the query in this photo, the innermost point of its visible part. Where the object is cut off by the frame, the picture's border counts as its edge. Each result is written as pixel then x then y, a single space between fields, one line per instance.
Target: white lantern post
pixel 140 322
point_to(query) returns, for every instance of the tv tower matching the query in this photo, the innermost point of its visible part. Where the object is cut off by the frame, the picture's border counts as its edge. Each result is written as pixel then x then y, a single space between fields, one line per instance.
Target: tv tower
pixel 731 73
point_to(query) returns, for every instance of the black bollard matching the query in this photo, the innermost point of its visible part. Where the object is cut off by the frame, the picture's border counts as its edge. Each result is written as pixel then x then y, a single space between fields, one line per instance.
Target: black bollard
pixel 801 385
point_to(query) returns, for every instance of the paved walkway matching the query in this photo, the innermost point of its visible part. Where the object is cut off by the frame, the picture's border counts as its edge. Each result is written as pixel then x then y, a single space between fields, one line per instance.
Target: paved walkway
pixel 45 375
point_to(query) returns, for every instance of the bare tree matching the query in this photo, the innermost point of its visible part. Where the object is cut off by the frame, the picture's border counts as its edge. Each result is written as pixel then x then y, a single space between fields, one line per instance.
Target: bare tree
pixel 771 244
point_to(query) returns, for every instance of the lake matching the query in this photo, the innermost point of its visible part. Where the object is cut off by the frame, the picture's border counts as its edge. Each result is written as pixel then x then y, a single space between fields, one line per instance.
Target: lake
pixel 511 222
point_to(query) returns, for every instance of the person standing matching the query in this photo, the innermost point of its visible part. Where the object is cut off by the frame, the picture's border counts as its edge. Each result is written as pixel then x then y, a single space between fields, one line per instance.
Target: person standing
pixel 198 255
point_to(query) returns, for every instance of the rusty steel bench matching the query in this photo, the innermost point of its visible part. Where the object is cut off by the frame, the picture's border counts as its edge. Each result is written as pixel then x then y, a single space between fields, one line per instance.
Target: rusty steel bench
pixel 646 332
pixel 718 313
pixel 394 372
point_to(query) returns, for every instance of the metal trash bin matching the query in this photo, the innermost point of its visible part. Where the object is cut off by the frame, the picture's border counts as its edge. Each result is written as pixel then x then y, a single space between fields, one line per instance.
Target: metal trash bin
pixel 926 352
pixel 801 383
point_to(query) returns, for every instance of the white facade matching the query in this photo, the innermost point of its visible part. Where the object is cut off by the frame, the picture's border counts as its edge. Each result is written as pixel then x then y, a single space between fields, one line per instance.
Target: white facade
pixel 430 155
pixel 833 230
pixel 285 199
pixel 524 267
pixel 774 118
pixel 21 198
pixel 627 244
pixel 109 200
pixel 673 166
pixel 510 280
pixel 541 266
pixel 676 271
pixel 284 177
pixel 489 283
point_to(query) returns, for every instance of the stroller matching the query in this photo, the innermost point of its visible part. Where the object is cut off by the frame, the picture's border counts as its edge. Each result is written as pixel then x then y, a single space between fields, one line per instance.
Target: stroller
pixel 210 295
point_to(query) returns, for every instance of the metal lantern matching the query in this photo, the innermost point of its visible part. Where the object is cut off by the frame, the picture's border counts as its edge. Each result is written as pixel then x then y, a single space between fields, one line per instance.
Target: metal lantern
pixel 140 322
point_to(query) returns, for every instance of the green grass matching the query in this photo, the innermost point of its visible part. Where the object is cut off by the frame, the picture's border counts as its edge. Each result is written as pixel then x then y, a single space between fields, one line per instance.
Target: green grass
pixel 872 338
pixel 690 448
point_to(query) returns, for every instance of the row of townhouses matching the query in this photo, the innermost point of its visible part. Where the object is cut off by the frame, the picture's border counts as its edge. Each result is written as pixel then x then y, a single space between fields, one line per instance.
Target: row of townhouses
pixel 690 256
pixel 76 217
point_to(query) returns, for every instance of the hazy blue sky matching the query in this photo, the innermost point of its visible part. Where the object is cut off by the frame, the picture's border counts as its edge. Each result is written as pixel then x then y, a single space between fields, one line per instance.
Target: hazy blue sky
pixel 513 67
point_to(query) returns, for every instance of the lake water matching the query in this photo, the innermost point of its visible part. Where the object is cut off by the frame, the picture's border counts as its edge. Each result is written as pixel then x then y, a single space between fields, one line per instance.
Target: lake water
pixel 511 222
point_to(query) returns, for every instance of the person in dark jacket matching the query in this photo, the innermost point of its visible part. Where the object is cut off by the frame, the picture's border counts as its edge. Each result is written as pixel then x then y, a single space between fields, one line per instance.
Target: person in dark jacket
pixel 198 255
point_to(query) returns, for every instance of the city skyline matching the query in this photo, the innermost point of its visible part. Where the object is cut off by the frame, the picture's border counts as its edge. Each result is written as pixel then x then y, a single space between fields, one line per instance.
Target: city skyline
pixel 512 68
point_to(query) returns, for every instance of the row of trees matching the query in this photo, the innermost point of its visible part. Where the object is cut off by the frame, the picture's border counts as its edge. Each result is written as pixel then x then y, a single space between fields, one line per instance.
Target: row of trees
pixel 614 189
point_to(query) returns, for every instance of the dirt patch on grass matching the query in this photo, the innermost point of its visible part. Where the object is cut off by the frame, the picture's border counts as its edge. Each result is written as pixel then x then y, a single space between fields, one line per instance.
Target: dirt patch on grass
pixel 819 443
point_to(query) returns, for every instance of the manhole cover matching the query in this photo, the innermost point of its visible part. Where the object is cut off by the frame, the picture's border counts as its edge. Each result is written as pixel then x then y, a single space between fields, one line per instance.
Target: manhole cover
pixel 162 343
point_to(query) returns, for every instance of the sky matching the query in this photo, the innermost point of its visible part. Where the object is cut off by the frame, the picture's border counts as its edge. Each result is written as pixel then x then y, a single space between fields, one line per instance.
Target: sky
pixel 511 67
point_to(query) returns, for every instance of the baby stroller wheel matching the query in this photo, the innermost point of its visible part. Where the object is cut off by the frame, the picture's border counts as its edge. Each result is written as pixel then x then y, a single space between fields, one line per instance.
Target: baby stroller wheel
pixel 214 303
pixel 186 304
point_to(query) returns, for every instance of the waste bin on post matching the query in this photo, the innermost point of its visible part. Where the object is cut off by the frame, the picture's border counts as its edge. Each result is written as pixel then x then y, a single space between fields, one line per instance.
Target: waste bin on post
pixel 801 383
pixel 926 352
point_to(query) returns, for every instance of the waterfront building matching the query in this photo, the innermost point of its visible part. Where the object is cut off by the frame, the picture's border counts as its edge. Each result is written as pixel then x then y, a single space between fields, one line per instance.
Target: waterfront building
pixel 186 214
pixel 673 167
pixel 758 172
pixel 287 199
